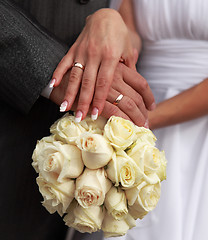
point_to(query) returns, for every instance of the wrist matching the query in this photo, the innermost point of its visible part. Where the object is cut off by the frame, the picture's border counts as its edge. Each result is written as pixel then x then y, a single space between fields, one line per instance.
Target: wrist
pixel 156 120
pixel 106 16
pixel 106 13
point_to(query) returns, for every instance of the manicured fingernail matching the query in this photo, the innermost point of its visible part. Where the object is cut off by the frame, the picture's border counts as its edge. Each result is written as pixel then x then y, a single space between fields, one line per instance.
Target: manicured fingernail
pixel 78 117
pixel 146 125
pixel 153 106
pixel 63 106
pixel 52 83
pixel 94 114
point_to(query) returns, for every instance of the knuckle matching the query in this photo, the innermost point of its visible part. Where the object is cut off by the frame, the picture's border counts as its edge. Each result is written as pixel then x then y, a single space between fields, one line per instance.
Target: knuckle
pixel 130 104
pixel 110 53
pixel 81 48
pixel 144 85
pixel 92 49
pixel 74 77
pixel 83 104
pixel 86 83
pixel 101 82
pixel 138 100
pixel 69 95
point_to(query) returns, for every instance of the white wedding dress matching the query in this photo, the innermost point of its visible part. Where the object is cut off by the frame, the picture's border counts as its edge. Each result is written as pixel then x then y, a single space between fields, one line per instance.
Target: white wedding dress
pixel 175 57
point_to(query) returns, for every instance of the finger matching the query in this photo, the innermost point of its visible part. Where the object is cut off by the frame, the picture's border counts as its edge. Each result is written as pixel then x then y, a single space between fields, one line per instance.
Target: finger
pixel 128 91
pixel 129 107
pixel 136 81
pixel 129 59
pixel 64 65
pixel 87 87
pixel 136 55
pixel 66 62
pixel 73 87
pixel 111 110
pixel 103 82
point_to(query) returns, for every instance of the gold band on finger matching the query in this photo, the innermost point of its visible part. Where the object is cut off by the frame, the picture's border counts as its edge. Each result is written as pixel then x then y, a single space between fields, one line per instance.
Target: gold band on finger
pixel 122 60
pixel 79 65
pixel 118 99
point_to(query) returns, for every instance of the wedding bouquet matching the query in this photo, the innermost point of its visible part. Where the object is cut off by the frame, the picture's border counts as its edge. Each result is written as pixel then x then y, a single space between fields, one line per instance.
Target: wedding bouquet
pixel 99 175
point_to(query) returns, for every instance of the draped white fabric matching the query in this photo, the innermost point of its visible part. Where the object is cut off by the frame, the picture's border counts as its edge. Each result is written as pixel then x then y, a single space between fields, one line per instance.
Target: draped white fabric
pixel 174 58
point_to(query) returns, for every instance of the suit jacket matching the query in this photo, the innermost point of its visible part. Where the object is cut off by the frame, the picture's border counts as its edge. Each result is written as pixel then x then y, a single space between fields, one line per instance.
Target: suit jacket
pixel 35 35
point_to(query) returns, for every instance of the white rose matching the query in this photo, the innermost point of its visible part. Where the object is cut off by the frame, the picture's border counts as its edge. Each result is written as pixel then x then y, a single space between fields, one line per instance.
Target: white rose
pixel 134 151
pixel 96 151
pixel 145 135
pixel 53 206
pixel 36 152
pixel 57 196
pixel 69 217
pixel 149 159
pixel 122 169
pixel 66 130
pixel 143 198
pixel 161 172
pixel 115 203
pixel 154 161
pixel 91 187
pixel 114 228
pixel 120 132
pixel 85 219
pixel 94 126
pixel 56 161
pixel 132 193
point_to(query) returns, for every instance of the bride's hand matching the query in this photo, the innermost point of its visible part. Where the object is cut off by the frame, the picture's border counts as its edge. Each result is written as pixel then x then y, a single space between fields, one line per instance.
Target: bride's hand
pixel 137 96
pixel 103 42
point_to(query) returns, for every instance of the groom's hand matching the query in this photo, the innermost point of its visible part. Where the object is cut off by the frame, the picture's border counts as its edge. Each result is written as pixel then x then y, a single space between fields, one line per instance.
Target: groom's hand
pixel 137 96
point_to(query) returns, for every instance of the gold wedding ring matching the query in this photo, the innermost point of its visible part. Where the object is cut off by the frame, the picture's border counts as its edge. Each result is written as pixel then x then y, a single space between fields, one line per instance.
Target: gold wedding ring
pixel 118 99
pixel 79 65
pixel 122 60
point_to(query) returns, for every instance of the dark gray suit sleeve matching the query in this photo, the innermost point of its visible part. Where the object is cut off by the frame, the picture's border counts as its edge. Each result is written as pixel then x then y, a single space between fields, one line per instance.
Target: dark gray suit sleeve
pixel 28 57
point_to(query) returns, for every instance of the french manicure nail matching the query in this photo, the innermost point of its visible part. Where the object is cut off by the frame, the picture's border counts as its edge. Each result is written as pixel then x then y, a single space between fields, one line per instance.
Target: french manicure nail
pixel 52 83
pixel 94 114
pixel 78 117
pixel 152 107
pixel 63 106
pixel 146 125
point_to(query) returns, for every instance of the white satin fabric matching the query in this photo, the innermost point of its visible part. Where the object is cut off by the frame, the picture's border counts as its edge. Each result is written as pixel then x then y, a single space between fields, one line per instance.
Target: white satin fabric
pixel 175 57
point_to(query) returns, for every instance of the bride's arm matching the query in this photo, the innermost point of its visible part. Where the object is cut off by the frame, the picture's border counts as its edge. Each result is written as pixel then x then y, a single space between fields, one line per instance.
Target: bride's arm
pixel 188 105
pixel 127 13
